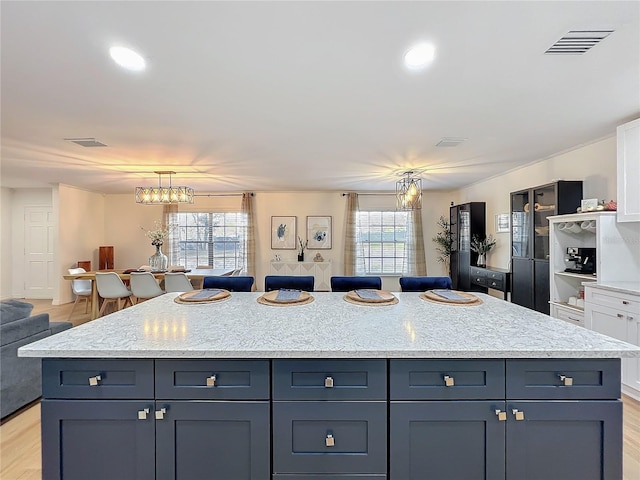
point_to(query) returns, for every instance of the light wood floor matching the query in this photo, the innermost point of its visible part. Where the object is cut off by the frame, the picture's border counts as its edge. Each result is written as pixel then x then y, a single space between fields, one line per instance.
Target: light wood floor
pixel 20 454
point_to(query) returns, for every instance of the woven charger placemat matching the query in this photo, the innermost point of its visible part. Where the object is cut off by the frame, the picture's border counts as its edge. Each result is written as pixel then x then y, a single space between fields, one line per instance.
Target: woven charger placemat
pixel 387 298
pixel 269 298
pixel 470 300
pixel 184 298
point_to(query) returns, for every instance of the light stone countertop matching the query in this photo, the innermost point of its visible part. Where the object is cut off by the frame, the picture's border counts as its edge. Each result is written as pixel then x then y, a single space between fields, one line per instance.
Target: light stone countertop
pixel 329 327
pixel 631 288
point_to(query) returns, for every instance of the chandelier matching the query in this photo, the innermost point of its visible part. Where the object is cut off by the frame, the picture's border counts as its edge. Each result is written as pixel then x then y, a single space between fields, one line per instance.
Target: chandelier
pixel 160 195
pixel 409 192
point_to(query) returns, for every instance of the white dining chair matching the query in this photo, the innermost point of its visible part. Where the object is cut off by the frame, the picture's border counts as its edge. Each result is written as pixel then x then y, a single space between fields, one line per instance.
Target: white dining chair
pixel 81 289
pixel 144 286
pixel 112 289
pixel 177 282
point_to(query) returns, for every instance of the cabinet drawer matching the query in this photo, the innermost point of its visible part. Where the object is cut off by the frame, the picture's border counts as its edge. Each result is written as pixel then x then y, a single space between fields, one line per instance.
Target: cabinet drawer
pixel 212 379
pixel 426 379
pixel 476 273
pixel 568 315
pixel 329 380
pixel 495 275
pixel 619 301
pixel 478 280
pixel 542 379
pixel 288 476
pixel 492 283
pixel 97 379
pixel 329 437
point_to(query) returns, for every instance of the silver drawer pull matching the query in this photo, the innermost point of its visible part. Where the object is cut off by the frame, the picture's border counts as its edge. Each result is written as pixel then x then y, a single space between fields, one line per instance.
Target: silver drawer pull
pixel 625 302
pixel 568 381
pixel 493 284
pixel 211 381
pixel 619 315
pixel 328 382
pixel 502 416
pixel 329 441
pixel 93 381
pixel 160 413
pixel 518 414
pixel 142 414
pixel 449 381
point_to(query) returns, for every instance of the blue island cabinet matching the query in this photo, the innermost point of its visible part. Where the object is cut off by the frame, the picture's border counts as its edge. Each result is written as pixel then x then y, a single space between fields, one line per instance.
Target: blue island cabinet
pixel 552 419
pixel 163 419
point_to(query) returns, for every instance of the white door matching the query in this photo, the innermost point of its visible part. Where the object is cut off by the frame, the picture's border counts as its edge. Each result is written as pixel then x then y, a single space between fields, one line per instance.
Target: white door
pixel 39 239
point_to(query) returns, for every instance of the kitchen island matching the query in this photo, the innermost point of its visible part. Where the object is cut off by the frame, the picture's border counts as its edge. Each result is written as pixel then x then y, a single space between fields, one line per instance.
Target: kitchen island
pixel 330 390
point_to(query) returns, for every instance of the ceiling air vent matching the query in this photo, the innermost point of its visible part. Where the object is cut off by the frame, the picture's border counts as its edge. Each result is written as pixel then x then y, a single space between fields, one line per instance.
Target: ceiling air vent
pixel 86 142
pixel 450 141
pixel 578 42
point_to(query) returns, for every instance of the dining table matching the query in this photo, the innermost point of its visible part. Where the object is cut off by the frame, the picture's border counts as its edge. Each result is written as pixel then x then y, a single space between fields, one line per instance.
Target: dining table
pixel 196 274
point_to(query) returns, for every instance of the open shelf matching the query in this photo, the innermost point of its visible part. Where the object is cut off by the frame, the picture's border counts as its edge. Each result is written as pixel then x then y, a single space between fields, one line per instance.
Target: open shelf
pixel 570 307
pixel 578 275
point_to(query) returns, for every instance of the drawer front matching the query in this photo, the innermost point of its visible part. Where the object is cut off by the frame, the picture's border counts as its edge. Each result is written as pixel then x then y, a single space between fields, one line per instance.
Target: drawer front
pixel 329 437
pixel 563 379
pixel 496 276
pixel 568 315
pixel 427 379
pixel 478 280
pixel 619 301
pixel 477 273
pixel 493 283
pixel 212 379
pixel 288 476
pixel 97 379
pixel 329 380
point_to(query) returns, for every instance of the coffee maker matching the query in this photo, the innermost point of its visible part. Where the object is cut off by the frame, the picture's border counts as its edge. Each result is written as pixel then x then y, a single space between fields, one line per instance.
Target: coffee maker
pixel 580 260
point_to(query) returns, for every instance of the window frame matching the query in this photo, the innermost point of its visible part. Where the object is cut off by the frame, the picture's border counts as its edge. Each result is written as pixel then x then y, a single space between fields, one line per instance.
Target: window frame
pixel 390 251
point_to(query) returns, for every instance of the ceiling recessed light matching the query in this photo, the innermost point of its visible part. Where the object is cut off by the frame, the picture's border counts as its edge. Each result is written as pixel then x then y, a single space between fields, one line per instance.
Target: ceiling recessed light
pixel 127 58
pixel 419 56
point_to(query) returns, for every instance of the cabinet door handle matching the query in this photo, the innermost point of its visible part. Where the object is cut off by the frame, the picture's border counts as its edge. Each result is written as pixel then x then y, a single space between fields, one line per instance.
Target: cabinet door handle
pixel 625 302
pixel 211 381
pixel 93 381
pixel 568 381
pixel 502 416
pixel 160 413
pixel 518 414
pixel 328 382
pixel 142 414
pixel 449 381
pixel 629 317
pixel 329 441
pixel 619 315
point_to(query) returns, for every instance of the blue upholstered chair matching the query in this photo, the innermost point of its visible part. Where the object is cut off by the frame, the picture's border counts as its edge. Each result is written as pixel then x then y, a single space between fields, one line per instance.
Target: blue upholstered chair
pixel 422 284
pixel 233 284
pixel 346 284
pixel 294 282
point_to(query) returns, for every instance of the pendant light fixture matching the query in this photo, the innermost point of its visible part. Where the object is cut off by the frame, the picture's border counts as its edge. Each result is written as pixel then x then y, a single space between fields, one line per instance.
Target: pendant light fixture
pixel 160 195
pixel 409 191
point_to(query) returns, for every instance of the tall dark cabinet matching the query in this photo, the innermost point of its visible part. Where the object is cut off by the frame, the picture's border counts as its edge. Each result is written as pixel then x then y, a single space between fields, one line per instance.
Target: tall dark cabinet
pixel 467 220
pixel 530 238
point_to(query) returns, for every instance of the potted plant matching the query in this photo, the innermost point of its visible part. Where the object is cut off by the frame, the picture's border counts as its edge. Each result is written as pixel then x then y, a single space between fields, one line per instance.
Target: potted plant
pixel 482 247
pixel 444 242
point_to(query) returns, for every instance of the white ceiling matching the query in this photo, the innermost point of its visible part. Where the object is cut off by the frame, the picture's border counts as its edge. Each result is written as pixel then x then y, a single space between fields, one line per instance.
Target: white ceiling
pixel 304 95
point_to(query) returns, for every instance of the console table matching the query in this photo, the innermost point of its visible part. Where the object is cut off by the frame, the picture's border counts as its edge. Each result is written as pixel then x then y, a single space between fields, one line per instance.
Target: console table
pixel 491 277
pixel 321 272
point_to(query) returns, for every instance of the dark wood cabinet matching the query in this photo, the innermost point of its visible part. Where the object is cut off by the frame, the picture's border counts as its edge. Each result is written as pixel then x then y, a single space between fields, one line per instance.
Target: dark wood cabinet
pixel 467 220
pixel 530 210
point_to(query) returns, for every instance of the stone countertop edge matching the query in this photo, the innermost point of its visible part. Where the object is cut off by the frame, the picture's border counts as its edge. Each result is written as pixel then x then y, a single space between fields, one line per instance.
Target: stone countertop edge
pixel 631 288
pixel 329 327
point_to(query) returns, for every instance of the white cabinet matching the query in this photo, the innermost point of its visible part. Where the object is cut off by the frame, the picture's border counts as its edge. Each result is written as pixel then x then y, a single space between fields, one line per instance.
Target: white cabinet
pixel 629 172
pixel 321 271
pixel 616 251
pixel 617 315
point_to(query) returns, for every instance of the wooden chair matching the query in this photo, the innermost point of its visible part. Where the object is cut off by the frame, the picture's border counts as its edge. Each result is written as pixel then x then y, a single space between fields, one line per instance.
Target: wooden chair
pixel 81 289
pixel 112 290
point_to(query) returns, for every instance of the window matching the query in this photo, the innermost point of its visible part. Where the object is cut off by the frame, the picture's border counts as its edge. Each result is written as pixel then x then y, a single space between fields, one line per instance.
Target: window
pixel 380 242
pixel 217 239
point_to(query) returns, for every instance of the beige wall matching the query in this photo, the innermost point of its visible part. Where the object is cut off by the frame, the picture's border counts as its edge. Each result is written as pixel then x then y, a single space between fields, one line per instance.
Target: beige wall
pixel 594 164
pixel 6 235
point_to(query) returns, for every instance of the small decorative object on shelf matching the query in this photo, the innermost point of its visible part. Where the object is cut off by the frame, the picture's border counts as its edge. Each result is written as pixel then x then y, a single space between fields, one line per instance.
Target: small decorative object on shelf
pixel 158 261
pixel 482 247
pixel 318 258
pixel 301 246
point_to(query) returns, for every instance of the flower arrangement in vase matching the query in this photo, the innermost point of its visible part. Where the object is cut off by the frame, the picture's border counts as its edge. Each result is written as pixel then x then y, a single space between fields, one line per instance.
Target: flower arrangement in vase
pixel 301 246
pixel 482 247
pixel 158 261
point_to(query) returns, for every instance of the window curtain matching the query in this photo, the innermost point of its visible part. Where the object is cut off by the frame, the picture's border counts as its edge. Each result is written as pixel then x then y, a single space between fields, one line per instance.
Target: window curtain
pixel 250 240
pixel 169 217
pixel 350 243
pixel 415 262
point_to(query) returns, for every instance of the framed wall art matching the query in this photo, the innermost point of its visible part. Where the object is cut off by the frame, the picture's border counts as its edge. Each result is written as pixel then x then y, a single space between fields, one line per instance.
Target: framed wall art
pixel 319 233
pixel 283 233
pixel 502 223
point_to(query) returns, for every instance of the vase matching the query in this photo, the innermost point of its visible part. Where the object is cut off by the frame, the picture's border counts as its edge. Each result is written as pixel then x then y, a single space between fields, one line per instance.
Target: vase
pixel 301 257
pixel 482 260
pixel 158 261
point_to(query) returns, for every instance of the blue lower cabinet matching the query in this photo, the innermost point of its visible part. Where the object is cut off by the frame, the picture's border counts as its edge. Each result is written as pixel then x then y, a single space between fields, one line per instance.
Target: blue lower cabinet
pixel 447 440
pixel 329 438
pixel 98 440
pixel 570 440
pixel 213 440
